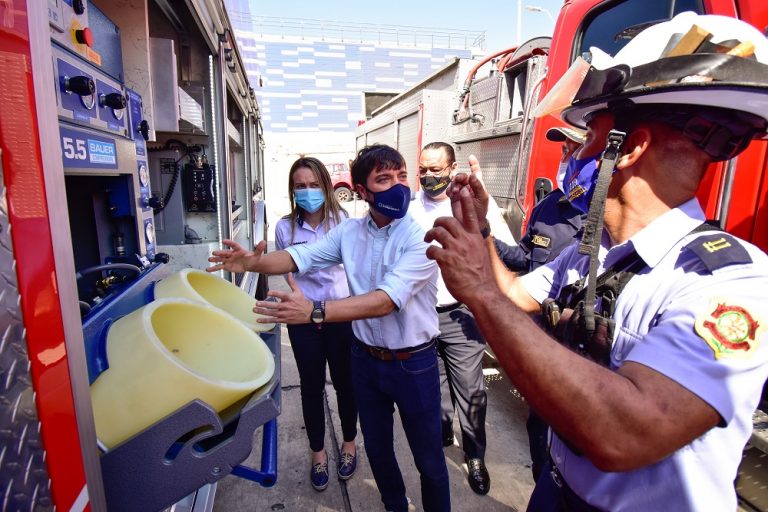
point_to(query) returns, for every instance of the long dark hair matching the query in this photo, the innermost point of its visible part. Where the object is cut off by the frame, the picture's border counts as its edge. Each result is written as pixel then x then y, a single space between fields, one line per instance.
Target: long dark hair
pixel 331 207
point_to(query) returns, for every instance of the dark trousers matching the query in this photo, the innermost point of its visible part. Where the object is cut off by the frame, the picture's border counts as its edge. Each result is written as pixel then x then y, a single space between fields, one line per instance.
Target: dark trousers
pixel 312 347
pixel 552 494
pixel 461 347
pixel 538 442
pixel 412 385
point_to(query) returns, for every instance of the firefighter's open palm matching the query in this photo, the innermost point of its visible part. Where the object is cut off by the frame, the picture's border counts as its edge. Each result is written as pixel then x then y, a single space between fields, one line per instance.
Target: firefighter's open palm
pixel 462 255
pixel 236 258
pixel 293 307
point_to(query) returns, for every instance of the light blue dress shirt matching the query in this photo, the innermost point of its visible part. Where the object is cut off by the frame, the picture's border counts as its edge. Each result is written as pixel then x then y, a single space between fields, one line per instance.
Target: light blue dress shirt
pixel 657 316
pixel 391 259
pixel 329 283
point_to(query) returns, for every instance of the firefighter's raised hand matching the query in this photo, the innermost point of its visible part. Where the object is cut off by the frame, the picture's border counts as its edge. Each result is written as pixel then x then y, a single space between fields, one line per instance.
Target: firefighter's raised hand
pixel 236 258
pixel 474 183
pixel 462 254
pixel 293 307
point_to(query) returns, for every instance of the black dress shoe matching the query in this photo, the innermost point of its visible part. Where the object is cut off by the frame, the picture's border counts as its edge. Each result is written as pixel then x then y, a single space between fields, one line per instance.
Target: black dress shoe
pixel 478 477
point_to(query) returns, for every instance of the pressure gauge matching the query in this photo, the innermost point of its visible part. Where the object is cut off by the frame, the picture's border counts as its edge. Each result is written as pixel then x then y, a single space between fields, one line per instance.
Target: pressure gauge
pixel 149 231
pixel 143 176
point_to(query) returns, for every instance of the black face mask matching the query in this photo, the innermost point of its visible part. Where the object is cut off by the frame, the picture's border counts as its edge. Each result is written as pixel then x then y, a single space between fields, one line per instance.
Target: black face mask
pixel 434 186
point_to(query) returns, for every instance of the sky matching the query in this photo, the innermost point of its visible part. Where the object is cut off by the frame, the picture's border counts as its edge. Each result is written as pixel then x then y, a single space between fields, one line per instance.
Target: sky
pixel 497 18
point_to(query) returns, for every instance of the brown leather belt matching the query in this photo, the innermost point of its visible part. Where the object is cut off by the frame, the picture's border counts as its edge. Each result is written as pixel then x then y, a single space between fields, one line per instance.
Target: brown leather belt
pixel 385 354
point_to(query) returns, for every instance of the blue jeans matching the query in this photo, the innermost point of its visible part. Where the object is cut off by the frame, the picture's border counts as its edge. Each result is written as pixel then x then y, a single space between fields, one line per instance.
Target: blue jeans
pixel 414 386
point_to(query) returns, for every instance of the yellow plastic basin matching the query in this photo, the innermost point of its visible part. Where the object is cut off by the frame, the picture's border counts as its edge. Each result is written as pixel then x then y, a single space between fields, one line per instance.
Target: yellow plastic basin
pixel 167 353
pixel 196 284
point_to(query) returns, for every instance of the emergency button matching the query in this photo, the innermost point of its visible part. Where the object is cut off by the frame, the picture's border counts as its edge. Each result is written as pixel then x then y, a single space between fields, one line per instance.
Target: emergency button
pixel 84 36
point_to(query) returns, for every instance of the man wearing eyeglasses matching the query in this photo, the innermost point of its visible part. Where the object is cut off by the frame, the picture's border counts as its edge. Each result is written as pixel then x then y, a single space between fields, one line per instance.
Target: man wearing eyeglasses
pixel 460 344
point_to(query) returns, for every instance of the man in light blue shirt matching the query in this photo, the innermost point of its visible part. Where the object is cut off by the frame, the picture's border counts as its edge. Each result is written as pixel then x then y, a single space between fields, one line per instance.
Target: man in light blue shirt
pixel 393 286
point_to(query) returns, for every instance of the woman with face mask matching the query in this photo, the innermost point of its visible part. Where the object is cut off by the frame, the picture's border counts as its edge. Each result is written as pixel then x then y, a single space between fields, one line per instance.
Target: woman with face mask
pixel 315 211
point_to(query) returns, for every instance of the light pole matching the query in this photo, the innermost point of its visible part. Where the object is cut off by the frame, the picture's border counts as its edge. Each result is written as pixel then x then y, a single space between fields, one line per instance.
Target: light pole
pixel 536 8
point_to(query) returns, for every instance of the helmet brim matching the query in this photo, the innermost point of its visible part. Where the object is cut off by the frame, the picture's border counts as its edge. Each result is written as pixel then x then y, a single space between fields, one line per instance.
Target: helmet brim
pixel 752 99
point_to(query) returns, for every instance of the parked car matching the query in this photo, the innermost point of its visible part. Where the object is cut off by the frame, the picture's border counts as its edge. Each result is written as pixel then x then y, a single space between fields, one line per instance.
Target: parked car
pixel 341 179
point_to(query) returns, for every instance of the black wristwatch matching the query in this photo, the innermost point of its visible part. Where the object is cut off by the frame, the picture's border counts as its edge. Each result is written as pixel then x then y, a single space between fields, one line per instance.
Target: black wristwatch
pixel 318 312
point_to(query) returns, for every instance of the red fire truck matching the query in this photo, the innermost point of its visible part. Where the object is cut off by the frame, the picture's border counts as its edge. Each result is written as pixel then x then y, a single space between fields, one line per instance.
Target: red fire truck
pixel 131 144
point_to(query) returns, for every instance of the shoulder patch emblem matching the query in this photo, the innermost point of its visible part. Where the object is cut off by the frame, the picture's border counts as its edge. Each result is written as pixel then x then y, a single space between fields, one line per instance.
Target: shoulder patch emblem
pixel 541 241
pixel 729 330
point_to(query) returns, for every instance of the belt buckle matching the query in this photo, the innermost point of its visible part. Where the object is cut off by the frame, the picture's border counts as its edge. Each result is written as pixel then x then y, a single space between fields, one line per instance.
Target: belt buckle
pixel 379 353
pixel 556 477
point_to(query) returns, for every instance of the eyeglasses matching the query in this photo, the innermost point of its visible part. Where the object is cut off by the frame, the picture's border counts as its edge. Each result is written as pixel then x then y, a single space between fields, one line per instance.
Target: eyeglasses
pixel 433 172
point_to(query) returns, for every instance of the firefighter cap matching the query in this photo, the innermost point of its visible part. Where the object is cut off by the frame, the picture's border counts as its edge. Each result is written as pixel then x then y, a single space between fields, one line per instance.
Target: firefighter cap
pixel 561 133
pixel 706 75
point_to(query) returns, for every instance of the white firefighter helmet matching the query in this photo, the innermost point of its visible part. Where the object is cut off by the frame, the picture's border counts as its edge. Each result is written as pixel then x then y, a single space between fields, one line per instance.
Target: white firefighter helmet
pixel 705 75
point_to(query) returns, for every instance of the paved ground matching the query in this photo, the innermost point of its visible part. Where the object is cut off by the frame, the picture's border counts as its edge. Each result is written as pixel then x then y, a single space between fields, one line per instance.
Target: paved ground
pixel 507 457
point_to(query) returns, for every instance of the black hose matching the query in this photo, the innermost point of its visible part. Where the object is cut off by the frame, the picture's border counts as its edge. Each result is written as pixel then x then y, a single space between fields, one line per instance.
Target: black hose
pixel 85 308
pixel 108 266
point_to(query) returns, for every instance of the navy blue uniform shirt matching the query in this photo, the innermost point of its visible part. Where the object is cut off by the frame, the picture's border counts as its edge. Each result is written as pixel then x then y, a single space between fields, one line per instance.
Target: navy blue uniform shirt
pixel 553 225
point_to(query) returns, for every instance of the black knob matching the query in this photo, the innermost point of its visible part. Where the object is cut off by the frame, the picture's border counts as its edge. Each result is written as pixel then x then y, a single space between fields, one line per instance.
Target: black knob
pixel 80 85
pixel 155 202
pixel 162 257
pixel 78 6
pixel 144 129
pixel 113 100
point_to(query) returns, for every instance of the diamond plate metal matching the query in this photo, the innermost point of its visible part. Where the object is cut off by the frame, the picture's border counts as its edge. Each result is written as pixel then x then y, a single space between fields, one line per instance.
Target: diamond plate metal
pixel 483 103
pixel 498 159
pixel 24 482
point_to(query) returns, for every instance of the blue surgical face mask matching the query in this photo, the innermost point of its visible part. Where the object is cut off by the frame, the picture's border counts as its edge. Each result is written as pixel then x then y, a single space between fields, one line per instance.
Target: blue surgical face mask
pixel 580 179
pixel 310 199
pixel 393 202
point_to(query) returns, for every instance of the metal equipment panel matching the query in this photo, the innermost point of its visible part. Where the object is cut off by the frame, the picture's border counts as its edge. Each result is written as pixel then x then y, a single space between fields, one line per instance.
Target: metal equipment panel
pixel 437 115
pixel 408 145
pixel 383 135
pixel 483 104
pixel 498 161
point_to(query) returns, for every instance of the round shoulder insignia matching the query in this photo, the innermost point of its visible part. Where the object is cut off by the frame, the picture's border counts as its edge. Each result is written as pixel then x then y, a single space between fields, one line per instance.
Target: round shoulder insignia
pixel 728 329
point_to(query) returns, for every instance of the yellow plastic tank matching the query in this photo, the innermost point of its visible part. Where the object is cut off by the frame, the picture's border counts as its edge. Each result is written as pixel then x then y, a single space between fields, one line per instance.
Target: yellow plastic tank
pixel 199 285
pixel 168 353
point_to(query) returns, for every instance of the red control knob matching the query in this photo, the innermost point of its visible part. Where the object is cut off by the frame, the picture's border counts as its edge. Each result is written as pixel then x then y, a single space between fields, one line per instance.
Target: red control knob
pixel 84 36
